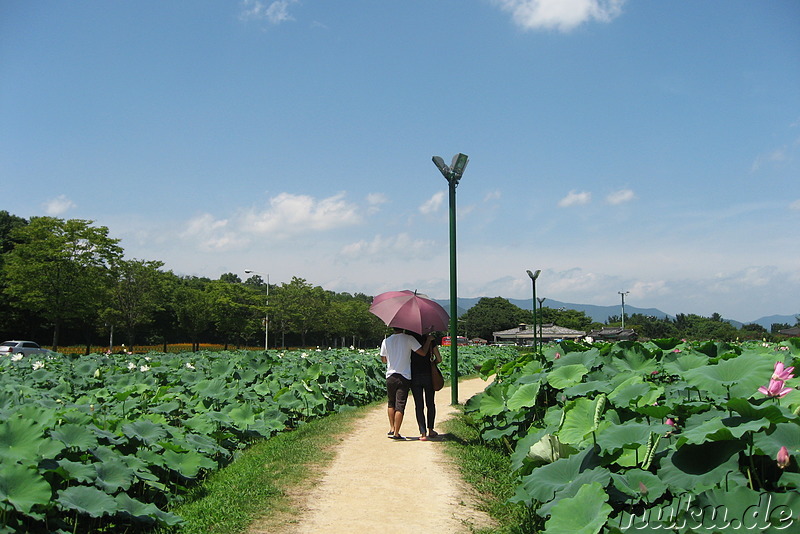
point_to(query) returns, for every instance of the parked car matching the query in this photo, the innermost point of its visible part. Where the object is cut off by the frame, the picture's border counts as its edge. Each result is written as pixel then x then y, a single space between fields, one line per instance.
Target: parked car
pixel 25 347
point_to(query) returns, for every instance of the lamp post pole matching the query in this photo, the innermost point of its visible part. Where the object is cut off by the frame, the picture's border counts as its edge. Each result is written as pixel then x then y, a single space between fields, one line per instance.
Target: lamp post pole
pixel 541 337
pixel 266 312
pixel 534 276
pixel 623 293
pixel 453 174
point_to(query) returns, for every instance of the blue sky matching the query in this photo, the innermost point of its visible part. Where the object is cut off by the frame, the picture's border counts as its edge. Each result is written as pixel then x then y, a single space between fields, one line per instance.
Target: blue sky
pixel 649 147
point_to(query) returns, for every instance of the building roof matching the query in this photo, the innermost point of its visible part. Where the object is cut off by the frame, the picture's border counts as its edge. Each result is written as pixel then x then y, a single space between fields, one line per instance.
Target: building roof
pixel 551 331
pixel 793 331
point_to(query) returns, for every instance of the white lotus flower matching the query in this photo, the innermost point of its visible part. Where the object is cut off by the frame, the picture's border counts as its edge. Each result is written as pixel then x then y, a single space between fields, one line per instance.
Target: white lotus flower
pixel 38 364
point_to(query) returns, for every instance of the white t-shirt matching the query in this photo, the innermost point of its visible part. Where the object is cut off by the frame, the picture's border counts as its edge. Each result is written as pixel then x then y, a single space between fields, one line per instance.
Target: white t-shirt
pixel 397 350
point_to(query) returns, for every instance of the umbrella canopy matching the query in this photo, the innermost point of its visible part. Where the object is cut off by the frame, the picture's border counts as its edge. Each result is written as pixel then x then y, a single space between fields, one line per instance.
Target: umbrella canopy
pixel 410 311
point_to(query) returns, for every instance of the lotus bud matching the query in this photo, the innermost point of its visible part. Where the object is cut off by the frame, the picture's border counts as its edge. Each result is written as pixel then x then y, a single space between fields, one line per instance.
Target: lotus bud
pixel 783 457
pixel 642 488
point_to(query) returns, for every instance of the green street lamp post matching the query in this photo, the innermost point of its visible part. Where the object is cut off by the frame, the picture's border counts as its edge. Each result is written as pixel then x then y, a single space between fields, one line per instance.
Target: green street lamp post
pixel 622 294
pixel 453 175
pixel 541 337
pixel 534 276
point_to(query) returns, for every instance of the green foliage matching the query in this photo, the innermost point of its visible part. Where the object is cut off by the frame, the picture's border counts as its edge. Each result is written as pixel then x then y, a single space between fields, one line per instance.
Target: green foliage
pixel 116 441
pixel 592 449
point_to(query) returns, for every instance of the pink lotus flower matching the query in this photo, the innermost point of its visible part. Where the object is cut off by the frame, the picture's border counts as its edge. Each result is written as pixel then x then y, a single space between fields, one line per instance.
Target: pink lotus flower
pixel 775 389
pixel 782 373
pixel 783 457
pixel 558 355
pixel 669 422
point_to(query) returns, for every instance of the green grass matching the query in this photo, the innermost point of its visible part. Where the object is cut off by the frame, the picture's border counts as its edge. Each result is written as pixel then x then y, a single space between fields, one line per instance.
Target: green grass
pixel 488 471
pixel 254 487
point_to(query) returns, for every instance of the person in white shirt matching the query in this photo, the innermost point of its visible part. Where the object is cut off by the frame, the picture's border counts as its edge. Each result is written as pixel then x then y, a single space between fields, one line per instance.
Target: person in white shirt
pixel 396 354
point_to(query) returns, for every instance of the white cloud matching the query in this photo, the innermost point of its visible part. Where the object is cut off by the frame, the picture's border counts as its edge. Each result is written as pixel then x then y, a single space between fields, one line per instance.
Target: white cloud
pixel 620 197
pixel 492 195
pixel 273 12
pixel 210 233
pixel 563 15
pixel 389 247
pixel 374 201
pixel 290 214
pixel 795 205
pixel 433 204
pixel 58 206
pixel 575 198
pixel 286 216
pixel 776 156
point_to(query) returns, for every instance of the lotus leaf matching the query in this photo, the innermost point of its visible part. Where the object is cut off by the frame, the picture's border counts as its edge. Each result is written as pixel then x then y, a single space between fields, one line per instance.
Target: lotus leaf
pixel 554 480
pixel 639 484
pixel 632 357
pixel 567 375
pixel 737 377
pixel 784 435
pixel 585 513
pixel 20 440
pixel 23 487
pixel 188 464
pixel 695 468
pixel 113 475
pixel 242 416
pixel 524 396
pixel 549 449
pixel 77 471
pixel 145 431
pixel 87 500
pixel 722 429
pixel 492 402
pixel 75 436
pixel 579 422
pixel 631 435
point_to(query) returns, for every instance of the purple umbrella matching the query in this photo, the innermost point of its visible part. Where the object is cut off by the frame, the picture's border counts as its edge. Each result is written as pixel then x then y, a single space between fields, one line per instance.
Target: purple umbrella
pixel 410 311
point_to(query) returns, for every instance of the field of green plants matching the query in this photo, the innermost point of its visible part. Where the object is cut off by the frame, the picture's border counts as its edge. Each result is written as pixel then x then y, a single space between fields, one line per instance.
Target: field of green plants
pixel 660 436
pixel 108 443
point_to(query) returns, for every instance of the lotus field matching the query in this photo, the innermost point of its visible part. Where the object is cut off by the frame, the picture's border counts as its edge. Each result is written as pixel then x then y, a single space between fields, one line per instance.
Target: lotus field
pixel 108 442
pixel 661 436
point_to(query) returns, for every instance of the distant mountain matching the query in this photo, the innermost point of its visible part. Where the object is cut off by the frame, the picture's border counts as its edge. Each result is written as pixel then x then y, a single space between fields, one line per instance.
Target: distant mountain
pixel 768 321
pixel 601 313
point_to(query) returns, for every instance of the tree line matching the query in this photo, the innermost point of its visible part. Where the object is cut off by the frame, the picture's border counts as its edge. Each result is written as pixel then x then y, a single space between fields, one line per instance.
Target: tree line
pixel 490 315
pixel 69 281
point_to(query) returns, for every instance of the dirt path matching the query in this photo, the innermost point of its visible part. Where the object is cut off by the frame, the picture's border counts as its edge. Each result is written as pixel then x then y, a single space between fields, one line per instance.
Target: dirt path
pixel 376 484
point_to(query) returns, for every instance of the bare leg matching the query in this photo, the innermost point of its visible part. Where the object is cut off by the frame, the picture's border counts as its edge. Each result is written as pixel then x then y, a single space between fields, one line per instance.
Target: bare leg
pixel 398 422
pixel 391 420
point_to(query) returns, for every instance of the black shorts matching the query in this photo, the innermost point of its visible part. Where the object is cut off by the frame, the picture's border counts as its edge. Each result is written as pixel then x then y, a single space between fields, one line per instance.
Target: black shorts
pixel 397 386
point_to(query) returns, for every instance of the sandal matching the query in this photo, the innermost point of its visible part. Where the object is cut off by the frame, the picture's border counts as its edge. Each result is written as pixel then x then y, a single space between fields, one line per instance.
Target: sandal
pixel 424 438
pixel 397 437
pixel 432 433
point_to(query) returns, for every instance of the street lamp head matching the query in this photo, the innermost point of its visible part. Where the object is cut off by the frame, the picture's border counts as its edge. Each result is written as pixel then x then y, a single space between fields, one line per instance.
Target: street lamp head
pixel 535 275
pixel 459 164
pixel 442 166
pixel 247 271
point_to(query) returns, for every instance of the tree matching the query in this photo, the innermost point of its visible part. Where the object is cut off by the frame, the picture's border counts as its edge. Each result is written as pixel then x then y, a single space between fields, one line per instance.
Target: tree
pixel 60 269
pixel 192 309
pixel 136 295
pixel 299 308
pixel 568 318
pixel 490 315
pixel 236 311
